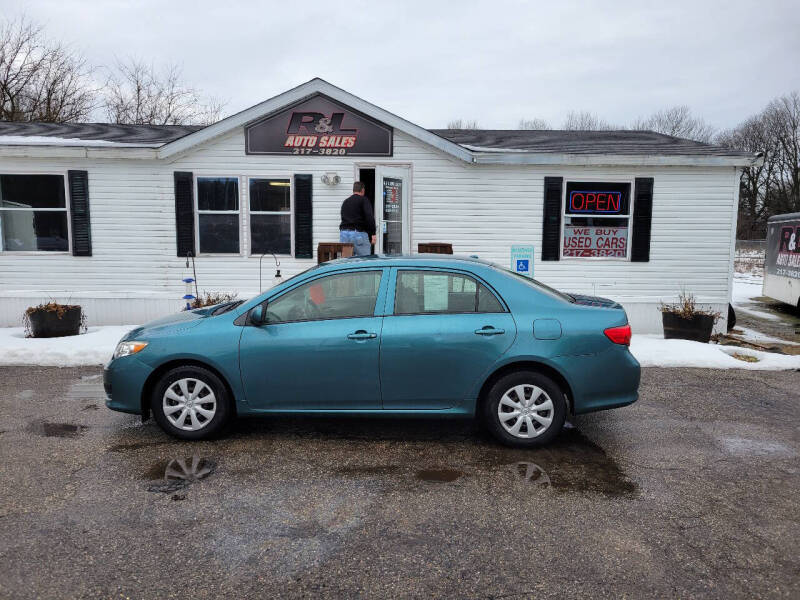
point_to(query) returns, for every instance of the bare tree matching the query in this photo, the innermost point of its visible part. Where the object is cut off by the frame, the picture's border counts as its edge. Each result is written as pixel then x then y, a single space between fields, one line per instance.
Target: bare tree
pixel 585 121
pixel 140 94
pixel 677 121
pixel 783 118
pixel 41 80
pixel 463 124
pixel 533 124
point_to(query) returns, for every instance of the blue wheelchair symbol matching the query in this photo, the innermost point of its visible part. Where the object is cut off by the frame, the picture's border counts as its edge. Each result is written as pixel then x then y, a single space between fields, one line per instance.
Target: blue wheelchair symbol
pixel 522 266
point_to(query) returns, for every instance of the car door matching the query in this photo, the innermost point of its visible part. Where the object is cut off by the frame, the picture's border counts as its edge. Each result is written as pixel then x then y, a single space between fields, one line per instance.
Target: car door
pixel 319 348
pixel 442 331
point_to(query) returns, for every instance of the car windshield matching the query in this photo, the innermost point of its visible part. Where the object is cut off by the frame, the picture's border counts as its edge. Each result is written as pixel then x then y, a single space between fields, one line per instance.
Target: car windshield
pixel 537 284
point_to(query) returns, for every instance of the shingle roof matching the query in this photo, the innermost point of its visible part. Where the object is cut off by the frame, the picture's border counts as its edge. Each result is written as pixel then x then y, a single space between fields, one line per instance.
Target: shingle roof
pixel 582 142
pixel 142 135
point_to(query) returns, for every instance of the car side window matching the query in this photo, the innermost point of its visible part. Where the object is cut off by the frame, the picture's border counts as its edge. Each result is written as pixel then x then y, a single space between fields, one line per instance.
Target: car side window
pixel 432 292
pixel 340 296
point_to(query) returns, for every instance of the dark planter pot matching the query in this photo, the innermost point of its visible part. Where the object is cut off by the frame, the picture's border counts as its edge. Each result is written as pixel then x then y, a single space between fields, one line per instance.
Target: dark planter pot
pixel 46 324
pixel 698 328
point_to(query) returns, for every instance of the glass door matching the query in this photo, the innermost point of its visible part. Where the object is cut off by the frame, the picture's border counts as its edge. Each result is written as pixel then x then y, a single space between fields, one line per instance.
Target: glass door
pixel 393 190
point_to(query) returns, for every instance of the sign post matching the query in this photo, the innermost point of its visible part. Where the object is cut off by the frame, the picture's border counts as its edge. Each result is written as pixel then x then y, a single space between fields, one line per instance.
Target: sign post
pixel 522 259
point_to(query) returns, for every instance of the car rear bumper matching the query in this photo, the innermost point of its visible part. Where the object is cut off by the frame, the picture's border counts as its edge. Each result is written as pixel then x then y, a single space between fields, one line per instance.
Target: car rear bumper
pixel 123 380
pixel 609 379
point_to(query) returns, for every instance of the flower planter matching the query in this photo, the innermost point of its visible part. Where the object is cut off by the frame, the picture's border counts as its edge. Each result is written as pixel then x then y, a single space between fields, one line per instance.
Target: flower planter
pixel 697 328
pixel 47 323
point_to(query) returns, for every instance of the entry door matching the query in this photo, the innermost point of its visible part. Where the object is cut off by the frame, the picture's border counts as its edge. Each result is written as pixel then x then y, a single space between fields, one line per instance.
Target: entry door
pixel 393 189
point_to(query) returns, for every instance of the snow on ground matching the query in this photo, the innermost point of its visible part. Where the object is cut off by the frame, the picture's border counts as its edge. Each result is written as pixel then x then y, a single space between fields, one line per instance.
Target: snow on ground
pixel 746 287
pixel 655 351
pixel 751 335
pixel 96 347
pixel 91 348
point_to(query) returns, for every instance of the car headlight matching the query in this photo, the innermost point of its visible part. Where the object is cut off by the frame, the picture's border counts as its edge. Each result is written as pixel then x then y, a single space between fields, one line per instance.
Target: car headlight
pixel 128 348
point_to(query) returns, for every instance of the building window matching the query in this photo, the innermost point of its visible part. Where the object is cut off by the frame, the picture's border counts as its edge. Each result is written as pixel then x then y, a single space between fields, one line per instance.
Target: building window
pixel 218 215
pixel 33 213
pixel 419 292
pixel 270 216
pixel 597 220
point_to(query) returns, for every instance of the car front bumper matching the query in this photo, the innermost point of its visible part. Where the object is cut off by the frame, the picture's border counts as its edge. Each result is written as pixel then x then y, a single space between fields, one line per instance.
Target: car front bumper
pixel 123 380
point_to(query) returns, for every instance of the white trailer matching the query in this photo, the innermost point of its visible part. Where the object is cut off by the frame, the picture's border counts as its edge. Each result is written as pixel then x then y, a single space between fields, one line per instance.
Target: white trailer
pixel 782 262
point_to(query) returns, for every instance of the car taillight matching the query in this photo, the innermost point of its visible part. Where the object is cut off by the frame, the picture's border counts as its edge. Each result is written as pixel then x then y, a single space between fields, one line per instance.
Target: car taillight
pixel 619 335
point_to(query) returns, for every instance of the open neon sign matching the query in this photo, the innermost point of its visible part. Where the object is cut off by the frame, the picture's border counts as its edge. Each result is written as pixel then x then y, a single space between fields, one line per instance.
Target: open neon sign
pixel 595 202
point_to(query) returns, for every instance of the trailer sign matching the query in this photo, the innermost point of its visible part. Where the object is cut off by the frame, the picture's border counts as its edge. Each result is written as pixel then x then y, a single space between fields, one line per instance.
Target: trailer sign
pixel 786 261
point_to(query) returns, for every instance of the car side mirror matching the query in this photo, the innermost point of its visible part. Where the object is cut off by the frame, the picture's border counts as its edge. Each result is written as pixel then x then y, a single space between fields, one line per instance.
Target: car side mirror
pixel 258 315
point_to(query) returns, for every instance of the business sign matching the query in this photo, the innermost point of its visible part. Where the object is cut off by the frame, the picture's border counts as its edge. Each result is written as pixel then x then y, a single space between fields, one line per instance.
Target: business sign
pixel 586 241
pixel 522 260
pixel 319 126
pixel 600 198
pixel 783 250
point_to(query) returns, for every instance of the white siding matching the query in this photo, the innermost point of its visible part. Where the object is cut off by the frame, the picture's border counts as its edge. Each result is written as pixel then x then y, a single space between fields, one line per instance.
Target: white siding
pixel 480 209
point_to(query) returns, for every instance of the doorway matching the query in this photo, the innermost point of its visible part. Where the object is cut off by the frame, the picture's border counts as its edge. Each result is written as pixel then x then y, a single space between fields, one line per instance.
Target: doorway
pixel 389 188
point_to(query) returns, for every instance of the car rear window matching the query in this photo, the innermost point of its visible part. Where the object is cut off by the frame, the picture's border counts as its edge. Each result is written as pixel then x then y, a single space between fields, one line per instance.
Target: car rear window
pixel 537 285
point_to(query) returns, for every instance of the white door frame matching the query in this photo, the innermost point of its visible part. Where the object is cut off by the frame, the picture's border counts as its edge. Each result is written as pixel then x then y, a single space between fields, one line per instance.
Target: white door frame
pixel 401 171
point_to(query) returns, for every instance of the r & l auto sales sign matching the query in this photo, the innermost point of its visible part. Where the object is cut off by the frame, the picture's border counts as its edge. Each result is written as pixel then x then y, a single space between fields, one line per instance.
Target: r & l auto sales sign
pixel 321 127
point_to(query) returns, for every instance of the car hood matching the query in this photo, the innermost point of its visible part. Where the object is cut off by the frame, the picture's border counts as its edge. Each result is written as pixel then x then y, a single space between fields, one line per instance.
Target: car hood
pixel 177 322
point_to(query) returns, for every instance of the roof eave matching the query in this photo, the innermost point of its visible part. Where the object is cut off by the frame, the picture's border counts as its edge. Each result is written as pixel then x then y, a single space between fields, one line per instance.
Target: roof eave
pixel 315 86
pixel 73 151
pixel 553 158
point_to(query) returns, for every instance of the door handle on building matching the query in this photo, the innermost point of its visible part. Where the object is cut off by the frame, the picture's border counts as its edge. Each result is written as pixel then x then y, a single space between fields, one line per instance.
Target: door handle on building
pixel 489 330
pixel 361 335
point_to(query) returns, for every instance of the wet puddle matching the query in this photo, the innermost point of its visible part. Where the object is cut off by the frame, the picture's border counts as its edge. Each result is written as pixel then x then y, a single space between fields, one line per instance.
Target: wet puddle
pixel 175 474
pixel 62 430
pixel 572 464
pixel 133 446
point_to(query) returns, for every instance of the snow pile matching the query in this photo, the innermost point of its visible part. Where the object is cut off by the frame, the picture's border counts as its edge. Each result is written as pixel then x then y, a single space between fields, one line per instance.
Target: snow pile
pixel 94 347
pixel 655 351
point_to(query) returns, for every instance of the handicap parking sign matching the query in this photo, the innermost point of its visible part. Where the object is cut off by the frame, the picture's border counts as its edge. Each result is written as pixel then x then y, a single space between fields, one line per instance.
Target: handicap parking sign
pixel 522 260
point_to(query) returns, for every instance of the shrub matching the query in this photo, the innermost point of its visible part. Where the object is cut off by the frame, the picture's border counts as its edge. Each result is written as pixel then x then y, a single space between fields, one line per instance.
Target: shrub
pixel 686 307
pixel 212 298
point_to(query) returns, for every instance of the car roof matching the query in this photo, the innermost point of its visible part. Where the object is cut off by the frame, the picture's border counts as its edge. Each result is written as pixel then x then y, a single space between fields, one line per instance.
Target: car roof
pixel 396 260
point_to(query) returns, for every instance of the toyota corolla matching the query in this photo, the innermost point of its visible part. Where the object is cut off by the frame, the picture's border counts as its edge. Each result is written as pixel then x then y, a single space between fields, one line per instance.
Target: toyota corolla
pixel 398 336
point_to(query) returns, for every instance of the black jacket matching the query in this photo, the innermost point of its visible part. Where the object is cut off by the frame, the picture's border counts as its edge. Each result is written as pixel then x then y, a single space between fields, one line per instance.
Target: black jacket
pixel 357 214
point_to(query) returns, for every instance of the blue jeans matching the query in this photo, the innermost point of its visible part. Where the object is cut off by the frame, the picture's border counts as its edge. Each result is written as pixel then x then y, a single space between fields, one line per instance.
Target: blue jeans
pixel 359 239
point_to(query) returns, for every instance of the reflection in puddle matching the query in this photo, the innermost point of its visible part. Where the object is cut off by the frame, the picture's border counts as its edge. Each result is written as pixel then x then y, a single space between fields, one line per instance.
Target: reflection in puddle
pixel 62 430
pixel 177 473
pixel 530 472
pixel 439 475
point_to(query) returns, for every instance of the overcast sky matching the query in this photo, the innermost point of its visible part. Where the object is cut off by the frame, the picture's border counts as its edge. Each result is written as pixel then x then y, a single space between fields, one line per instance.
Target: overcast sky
pixel 433 61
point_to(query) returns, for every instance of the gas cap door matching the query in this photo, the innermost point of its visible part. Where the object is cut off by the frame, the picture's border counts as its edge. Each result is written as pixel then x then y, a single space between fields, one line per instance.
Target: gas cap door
pixel 547 329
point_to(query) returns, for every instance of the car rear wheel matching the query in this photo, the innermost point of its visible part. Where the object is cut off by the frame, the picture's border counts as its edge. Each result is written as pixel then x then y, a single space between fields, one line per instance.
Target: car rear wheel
pixel 191 403
pixel 525 409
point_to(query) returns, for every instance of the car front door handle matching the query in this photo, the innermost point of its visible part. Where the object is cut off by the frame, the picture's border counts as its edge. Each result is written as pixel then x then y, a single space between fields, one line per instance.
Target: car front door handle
pixel 361 335
pixel 489 330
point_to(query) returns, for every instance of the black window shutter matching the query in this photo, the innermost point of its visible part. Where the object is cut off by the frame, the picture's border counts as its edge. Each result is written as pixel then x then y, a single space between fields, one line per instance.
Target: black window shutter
pixel 184 213
pixel 303 242
pixel 551 221
pixel 79 213
pixel 642 217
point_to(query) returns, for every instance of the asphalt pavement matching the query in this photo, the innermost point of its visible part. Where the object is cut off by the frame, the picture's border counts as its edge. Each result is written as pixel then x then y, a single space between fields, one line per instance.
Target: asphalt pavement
pixel 692 492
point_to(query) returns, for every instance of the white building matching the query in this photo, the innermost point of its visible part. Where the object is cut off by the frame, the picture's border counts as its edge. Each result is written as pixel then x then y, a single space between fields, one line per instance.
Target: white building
pixel 104 215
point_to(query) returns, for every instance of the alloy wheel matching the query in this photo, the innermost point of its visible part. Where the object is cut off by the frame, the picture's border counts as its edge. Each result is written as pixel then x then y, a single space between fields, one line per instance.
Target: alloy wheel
pixel 189 404
pixel 525 411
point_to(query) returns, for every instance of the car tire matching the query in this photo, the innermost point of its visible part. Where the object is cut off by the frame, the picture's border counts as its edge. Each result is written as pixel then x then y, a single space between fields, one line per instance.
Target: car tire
pixel 196 393
pixel 534 426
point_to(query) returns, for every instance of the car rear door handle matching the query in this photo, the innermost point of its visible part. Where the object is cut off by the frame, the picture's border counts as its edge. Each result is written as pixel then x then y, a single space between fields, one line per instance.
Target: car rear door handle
pixel 489 330
pixel 361 335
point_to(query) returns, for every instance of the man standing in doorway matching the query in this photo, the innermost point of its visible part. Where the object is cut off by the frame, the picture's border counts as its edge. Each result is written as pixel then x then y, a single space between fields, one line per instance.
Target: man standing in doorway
pixel 358 222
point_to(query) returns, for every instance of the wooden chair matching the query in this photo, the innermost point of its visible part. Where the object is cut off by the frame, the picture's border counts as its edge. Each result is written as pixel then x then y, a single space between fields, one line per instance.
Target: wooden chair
pixel 435 248
pixel 332 250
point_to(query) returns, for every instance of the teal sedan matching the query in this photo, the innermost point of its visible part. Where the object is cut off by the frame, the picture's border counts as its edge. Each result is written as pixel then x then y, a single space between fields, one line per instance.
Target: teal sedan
pixel 423 335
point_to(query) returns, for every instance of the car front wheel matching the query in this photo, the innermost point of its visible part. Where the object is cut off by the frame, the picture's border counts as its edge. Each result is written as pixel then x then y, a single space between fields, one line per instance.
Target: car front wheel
pixel 191 403
pixel 525 409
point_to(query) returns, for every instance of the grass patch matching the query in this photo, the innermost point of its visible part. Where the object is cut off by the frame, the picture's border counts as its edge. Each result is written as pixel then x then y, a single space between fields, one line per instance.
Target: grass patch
pixel 745 357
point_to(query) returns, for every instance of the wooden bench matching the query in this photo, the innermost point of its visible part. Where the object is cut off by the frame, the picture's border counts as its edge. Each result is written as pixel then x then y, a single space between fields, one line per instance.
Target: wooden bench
pixel 435 248
pixel 332 250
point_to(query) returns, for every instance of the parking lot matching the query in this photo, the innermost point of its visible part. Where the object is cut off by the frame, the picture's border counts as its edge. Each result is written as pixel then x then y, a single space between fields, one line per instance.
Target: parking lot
pixel 693 491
